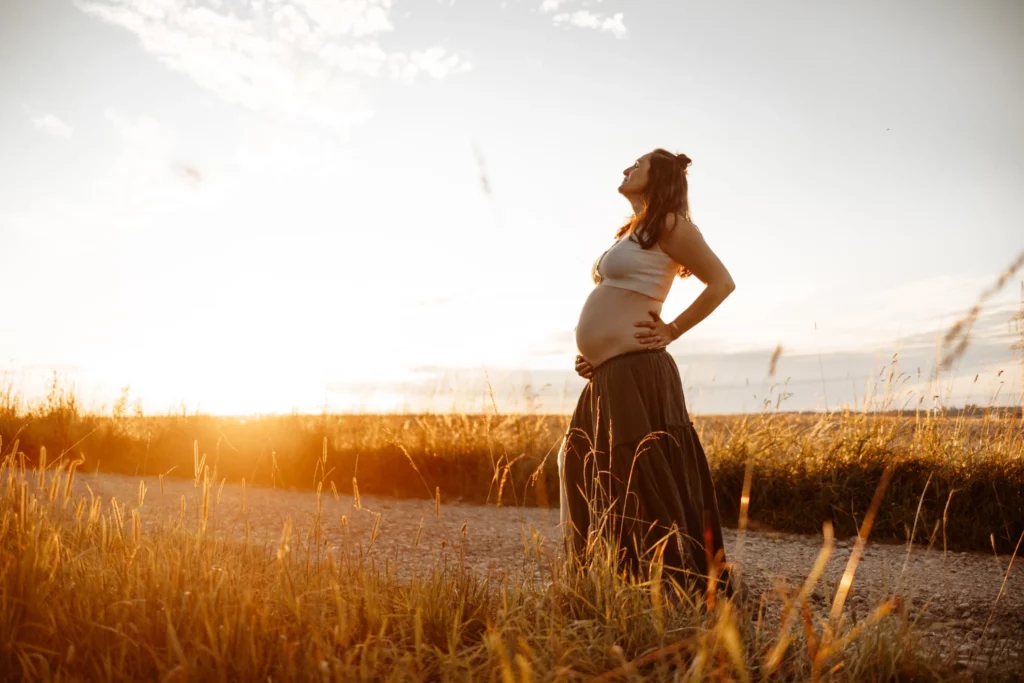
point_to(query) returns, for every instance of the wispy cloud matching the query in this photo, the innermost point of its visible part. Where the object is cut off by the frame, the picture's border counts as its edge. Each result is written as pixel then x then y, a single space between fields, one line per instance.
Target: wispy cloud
pixel 583 17
pixel 299 60
pixel 48 123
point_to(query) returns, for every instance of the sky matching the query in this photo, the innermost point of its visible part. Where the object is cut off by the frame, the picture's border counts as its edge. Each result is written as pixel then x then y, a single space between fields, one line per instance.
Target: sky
pixel 251 206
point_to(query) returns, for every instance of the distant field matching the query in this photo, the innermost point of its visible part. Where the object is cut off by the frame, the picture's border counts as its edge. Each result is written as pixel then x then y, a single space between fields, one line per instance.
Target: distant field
pixel 957 482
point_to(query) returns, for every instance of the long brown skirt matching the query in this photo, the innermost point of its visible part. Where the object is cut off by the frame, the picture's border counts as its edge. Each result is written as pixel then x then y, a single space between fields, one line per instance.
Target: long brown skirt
pixel 633 470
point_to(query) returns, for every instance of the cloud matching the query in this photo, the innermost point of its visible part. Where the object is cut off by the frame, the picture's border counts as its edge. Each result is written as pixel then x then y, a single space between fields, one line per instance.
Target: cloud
pixel 716 383
pixel 297 60
pixel 584 18
pixel 435 62
pixel 48 123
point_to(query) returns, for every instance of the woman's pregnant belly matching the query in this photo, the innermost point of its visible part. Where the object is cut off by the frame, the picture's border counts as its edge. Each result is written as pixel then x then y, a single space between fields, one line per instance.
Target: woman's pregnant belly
pixel 605 328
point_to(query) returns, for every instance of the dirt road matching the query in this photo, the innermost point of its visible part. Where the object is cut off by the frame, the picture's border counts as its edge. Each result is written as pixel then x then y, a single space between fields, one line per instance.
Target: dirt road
pixel 956 590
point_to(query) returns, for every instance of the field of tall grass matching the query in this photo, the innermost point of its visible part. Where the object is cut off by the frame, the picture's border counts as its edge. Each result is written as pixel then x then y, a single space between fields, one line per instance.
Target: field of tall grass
pixel 101 589
pixel 957 481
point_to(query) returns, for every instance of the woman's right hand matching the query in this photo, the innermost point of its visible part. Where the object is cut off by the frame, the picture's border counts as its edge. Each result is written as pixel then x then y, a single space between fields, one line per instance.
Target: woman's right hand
pixel 583 368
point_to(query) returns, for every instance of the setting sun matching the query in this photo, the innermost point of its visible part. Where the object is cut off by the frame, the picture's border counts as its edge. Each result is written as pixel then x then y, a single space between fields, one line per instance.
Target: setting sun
pixel 343 205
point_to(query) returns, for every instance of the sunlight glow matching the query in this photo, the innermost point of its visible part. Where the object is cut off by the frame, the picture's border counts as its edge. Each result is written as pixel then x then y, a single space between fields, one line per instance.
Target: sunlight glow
pixel 336 206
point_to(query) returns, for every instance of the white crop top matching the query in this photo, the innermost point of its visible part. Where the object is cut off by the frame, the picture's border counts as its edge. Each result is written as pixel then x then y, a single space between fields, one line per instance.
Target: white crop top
pixel 627 265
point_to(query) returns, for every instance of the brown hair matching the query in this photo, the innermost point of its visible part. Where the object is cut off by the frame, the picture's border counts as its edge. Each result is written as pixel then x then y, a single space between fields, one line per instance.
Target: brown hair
pixel 666 193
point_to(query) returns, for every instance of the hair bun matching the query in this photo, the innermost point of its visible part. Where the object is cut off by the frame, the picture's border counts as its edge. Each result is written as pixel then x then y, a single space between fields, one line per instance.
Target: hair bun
pixel 686 161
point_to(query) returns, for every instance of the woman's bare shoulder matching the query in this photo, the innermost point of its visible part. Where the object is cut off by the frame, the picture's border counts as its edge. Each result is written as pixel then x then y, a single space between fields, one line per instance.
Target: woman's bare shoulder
pixel 677 220
pixel 678 228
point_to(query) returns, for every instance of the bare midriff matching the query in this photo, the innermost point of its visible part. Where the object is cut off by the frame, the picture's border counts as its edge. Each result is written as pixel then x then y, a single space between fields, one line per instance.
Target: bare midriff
pixel 605 328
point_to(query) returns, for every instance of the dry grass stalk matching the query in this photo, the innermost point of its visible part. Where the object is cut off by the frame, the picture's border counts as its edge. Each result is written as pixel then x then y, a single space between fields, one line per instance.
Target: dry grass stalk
pixel 957 338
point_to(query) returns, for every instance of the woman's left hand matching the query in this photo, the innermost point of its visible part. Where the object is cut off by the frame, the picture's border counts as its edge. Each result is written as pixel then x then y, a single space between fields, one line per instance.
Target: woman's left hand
pixel 658 334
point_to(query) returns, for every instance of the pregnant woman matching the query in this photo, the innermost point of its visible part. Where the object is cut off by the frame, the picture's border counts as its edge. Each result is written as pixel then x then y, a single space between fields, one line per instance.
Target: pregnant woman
pixel 631 467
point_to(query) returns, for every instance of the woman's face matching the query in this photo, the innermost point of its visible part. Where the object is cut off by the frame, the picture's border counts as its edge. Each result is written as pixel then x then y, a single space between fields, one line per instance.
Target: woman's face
pixel 635 180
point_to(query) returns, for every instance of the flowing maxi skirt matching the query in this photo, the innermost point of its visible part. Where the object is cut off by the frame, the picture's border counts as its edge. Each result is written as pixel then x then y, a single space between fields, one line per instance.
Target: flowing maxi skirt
pixel 633 471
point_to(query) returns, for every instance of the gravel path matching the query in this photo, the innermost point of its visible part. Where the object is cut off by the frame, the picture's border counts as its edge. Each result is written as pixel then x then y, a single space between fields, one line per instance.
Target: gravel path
pixel 958 589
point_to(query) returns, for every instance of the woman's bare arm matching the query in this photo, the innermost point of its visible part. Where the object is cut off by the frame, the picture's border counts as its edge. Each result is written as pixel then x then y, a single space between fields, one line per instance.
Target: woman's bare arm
pixel 683 242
